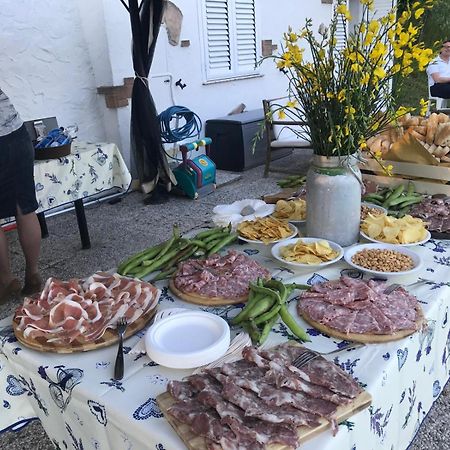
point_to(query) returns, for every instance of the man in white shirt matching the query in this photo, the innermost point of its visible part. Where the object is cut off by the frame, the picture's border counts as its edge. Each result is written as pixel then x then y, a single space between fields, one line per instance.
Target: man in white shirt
pixel 439 73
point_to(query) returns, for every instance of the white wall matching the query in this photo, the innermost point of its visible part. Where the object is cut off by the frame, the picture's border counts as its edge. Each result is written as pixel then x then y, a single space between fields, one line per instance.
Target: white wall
pixel 54 54
pixel 44 64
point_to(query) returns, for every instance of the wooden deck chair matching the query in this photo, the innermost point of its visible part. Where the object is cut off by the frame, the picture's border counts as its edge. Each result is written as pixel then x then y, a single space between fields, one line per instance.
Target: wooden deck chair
pixel 281 133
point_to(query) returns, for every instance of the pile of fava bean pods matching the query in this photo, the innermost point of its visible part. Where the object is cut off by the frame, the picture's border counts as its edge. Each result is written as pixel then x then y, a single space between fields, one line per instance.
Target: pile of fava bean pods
pixel 266 304
pixel 164 258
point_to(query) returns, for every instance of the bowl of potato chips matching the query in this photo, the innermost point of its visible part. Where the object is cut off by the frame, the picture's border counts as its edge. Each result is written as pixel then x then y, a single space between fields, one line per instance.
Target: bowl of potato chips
pixel 307 252
pixel 293 211
pixel 405 231
pixel 265 230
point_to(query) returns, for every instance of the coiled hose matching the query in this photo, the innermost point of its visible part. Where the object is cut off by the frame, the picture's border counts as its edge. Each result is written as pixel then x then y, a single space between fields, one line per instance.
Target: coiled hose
pixel 191 127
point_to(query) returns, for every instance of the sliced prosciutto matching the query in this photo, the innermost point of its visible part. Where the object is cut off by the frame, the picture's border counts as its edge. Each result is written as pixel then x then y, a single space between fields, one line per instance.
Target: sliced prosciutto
pixel 357 306
pixel 84 309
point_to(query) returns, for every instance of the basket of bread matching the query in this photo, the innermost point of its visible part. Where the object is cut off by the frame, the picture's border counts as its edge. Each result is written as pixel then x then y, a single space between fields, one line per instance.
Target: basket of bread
pixel 432 132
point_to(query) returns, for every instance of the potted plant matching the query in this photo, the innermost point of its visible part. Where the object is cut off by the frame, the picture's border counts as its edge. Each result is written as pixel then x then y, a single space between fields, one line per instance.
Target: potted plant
pixel 344 92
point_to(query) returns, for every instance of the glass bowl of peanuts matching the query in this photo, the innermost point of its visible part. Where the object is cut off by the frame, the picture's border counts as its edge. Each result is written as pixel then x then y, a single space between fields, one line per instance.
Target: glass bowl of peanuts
pixel 384 260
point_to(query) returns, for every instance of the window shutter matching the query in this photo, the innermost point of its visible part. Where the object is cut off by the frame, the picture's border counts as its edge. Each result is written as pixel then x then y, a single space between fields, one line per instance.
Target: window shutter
pixel 245 24
pixel 218 37
pixel 341 29
pixel 382 7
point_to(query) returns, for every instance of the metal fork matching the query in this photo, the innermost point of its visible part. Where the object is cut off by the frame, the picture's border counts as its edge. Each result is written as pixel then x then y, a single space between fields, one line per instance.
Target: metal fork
pixel 395 286
pixel 309 355
pixel 118 366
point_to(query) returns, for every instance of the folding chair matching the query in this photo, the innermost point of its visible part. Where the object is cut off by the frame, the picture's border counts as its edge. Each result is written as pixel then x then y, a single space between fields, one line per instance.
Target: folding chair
pixel 280 133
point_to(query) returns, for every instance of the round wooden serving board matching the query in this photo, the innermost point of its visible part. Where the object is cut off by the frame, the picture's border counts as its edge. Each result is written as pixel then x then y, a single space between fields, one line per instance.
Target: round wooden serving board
pixel 366 338
pixel 79 345
pixel 206 301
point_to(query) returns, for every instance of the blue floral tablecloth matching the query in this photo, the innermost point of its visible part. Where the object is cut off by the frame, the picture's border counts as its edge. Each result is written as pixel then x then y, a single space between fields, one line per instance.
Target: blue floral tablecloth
pixel 90 168
pixel 82 407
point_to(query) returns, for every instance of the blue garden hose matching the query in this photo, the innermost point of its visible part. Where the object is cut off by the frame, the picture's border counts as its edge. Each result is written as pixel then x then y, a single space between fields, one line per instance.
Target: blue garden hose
pixel 192 127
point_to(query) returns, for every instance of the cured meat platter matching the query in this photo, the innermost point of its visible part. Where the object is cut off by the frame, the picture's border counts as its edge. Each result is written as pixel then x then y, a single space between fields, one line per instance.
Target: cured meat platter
pixel 81 315
pixel 216 280
pixel 79 345
pixel 261 401
pixel 366 337
pixel 195 442
pixel 204 300
pixel 361 310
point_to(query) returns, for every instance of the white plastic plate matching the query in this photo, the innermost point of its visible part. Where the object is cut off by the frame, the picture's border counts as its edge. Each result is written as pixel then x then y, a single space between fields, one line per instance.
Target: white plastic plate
pixel 357 248
pixel 427 238
pixel 277 247
pixel 187 339
pixel 294 233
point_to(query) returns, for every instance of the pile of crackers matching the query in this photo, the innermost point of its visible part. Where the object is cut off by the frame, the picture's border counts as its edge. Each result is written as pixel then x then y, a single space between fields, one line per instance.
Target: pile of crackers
pixel 432 132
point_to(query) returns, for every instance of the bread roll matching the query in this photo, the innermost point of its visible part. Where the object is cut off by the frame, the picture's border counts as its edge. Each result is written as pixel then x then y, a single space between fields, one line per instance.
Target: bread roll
pixel 385 145
pixel 442 136
pixel 421 129
pixel 431 128
pixel 417 135
pixel 403 119
pixel 443 118
pixel 413 121
pixel 376 145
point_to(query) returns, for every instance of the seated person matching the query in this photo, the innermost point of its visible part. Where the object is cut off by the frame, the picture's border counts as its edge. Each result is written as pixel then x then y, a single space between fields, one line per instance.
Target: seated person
pixel 439 73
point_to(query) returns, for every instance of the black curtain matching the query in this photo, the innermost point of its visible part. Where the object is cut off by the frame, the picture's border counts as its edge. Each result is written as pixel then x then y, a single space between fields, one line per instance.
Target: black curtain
pixel 146 145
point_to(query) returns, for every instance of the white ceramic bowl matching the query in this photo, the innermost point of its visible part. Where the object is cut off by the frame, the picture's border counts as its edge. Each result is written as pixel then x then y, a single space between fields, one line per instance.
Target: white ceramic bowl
pixel 277 248
pixel 357 248
pixel 294 233
pixel 187 339
pixel 372 205
pixel 428 236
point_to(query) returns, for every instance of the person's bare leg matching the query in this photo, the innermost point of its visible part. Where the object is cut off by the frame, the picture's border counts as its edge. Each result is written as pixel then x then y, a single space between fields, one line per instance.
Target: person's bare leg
pixel 6 275
pixel 30 240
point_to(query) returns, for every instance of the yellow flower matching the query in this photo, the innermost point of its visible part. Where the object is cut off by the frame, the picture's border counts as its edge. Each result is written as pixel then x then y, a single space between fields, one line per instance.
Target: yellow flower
pixel 363 145
pixel 365 78
pixel 378 154
pixel 379 72
pixel 281 114
pixel 356 67
pixel 341 95
pixel 378 51
pixel 291 104
pixel 423 106
pixel 374 26
pixel 369 38
pixel 418 12
pixel 342 9
pixel 368 3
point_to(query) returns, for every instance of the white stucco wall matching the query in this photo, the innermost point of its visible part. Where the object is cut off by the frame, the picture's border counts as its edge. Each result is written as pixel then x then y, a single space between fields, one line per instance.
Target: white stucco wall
pixel 54 55
pixel 45 66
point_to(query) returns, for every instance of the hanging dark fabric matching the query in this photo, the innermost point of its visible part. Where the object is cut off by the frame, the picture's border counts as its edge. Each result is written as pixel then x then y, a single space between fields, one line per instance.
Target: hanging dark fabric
pixel 146 147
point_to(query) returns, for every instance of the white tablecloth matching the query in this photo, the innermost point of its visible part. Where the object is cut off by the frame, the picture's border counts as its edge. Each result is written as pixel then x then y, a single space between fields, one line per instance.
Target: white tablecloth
pixel 82 407
pixel 91 168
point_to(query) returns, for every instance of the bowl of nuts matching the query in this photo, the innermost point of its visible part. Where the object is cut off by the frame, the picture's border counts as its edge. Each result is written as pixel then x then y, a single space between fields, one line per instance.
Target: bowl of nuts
pixel 383 259
pixel 371 208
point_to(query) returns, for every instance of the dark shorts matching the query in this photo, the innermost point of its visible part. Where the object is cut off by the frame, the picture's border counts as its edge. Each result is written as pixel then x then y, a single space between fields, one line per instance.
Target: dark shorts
pixel 17 174
pixel 441 90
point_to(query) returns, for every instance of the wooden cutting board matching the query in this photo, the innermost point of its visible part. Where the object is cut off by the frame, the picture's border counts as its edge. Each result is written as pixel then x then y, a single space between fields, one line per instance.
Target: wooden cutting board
pixel 194 442
pixel 367 338
pixel 206 301
pixel 79 345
